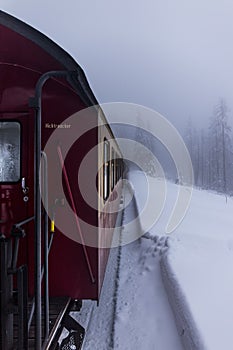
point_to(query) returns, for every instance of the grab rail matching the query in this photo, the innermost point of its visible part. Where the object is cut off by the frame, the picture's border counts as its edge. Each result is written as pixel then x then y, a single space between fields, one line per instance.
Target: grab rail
pixel 35 103
pixel 46 247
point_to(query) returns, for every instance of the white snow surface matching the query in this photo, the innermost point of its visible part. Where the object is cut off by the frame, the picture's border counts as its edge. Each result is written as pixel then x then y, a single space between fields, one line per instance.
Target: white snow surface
pixel 168 292
pixel 198 265
pixel 134 312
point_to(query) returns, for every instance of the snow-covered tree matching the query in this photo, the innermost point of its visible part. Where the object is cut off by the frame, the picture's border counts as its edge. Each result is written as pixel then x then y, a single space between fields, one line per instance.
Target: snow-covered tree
pixel 221 147
pixel 211 151
pixel 144 155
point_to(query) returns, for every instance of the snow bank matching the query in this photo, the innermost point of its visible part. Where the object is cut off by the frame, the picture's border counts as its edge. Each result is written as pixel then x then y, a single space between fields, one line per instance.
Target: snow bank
pixel 197 268
pixel 187 328
pixel 197 272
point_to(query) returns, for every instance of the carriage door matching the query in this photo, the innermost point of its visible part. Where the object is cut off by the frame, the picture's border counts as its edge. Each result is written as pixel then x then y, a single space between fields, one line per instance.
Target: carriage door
pixel 16 207
pixel 16 170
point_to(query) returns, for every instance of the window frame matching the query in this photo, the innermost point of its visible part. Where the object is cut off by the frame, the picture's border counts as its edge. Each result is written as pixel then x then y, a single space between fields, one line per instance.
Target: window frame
pixel 106 170
pixel 20 151
pixel 112 168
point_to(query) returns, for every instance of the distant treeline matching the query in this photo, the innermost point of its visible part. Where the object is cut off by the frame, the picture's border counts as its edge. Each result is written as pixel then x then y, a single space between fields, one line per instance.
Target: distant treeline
pixel 211 151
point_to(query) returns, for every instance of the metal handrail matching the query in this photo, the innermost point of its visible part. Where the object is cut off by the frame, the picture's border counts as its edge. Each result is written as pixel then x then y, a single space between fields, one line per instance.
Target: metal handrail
pixel 18 232
pixel 46 247
pixel 35 103
pixel 21 223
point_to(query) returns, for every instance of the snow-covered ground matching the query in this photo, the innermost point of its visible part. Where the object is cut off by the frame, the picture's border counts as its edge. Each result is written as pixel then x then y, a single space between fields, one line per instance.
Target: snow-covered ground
pixel 144 319
pixel 134 311
pixel 198 266
pixel 192 268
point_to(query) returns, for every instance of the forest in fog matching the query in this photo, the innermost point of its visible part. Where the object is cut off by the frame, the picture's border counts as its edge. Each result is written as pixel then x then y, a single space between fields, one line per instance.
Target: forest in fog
pixel 211 151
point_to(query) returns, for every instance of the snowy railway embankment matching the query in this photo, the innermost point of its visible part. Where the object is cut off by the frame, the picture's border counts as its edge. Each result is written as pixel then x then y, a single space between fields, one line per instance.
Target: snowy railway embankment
pixel 197 267
pixel 192 268
pixel 133 312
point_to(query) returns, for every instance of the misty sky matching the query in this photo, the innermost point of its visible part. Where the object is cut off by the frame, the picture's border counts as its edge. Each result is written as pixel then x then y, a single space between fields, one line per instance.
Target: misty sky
pixel 175 56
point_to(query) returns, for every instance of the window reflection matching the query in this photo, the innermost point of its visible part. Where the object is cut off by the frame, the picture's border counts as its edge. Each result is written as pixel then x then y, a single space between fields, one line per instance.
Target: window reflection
pixel 9 151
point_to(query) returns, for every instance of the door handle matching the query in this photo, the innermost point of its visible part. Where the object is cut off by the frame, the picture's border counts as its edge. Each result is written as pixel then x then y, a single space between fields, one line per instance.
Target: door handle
pixel 25 189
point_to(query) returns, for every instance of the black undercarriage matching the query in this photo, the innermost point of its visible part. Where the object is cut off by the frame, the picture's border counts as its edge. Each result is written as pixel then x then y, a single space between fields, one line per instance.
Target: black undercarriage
pixel 17 318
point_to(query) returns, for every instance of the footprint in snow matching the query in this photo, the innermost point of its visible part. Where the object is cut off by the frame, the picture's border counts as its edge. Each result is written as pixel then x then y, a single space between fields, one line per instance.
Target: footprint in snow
pixel 159 245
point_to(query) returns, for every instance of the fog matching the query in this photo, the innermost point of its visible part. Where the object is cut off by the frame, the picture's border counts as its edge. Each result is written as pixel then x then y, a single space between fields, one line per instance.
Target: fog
pixel 174 56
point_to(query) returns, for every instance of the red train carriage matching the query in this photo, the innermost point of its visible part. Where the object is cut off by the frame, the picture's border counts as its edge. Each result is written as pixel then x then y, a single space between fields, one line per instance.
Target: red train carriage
pixel 40 87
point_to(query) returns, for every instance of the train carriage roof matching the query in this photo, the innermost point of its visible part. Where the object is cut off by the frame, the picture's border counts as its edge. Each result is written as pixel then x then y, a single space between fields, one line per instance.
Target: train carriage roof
pixel 22 46
pixel 64 61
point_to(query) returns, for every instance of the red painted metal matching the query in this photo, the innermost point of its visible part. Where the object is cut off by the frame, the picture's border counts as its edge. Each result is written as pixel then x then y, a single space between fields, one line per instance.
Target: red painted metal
pixel 25 55
pixel 75 213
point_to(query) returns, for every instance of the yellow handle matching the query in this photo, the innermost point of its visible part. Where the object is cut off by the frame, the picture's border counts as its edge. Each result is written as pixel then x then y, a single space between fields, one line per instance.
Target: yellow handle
pixel 52 229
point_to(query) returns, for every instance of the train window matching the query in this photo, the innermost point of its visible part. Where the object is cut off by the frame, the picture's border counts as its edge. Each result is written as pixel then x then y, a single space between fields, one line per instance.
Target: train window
pixel 118 168
pixel 106 175
pixel 9 151
pixel 113 170
pixel 116 176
